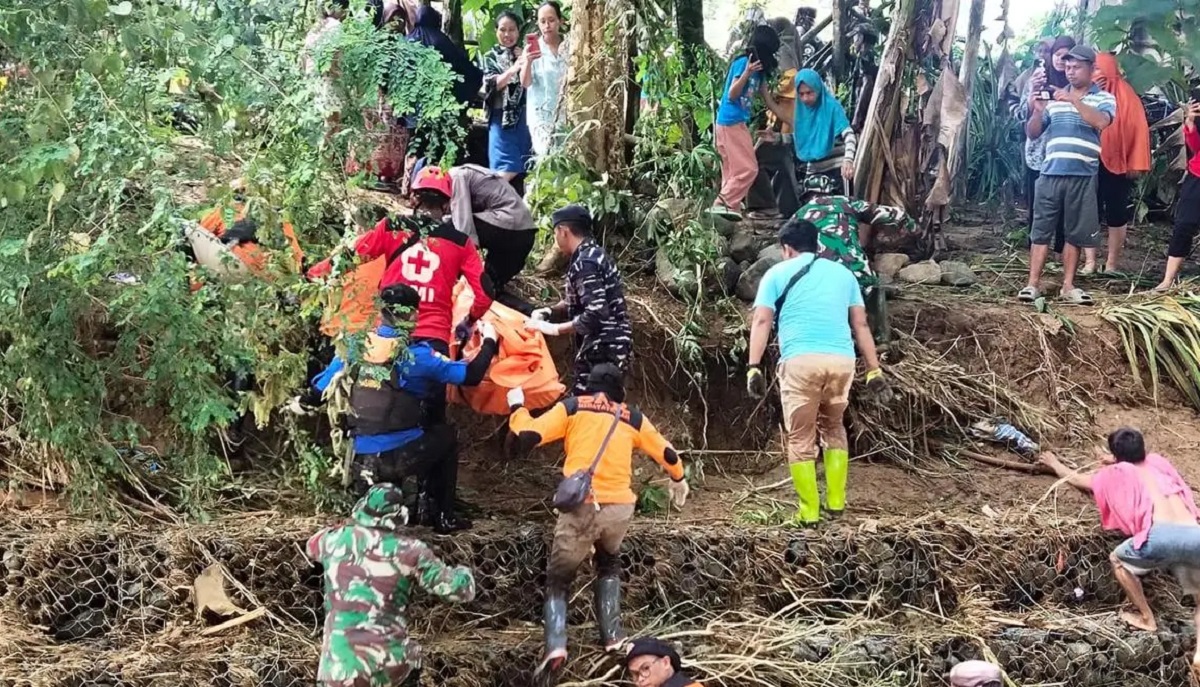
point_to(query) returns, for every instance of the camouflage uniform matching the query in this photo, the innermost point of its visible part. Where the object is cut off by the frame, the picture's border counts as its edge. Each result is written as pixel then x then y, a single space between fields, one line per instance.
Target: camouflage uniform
pixel 837 218
pixel 596 303
pixel 370 569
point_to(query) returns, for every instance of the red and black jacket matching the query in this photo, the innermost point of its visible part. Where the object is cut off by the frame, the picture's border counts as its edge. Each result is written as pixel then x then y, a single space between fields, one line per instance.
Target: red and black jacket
pixel 431 265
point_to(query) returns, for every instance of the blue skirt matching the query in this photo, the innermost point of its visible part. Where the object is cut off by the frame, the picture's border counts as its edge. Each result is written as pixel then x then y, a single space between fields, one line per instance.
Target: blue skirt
pixel 509 150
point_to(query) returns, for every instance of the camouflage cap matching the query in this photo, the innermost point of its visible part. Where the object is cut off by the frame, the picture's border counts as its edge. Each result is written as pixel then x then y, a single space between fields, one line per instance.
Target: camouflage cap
pixel 382 507
pixel 821 184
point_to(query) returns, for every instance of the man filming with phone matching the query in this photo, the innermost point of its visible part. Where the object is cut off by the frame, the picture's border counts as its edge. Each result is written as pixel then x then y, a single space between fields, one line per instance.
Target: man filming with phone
pixel 1066 190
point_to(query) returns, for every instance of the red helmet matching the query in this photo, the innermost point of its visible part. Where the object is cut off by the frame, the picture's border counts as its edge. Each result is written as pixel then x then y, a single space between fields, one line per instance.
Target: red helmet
pixel 433 179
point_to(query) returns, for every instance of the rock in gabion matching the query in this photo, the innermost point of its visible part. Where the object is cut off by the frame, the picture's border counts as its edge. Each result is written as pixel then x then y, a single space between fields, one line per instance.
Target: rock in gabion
pixel 921 273
pixel 957 273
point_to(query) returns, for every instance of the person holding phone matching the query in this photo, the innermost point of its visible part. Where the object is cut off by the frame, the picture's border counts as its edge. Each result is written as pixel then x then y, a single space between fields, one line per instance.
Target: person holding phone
pixel 1066 190
pixel 1047 72
pixel 1187 209
pixel 739 164
pixel 510 146
pixel 543 76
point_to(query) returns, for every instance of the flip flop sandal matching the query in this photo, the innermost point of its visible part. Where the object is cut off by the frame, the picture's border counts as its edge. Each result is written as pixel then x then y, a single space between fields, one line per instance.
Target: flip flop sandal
pixel 763 214
pixel 728 213
pixel 1029 294
pixel 1088 271
pixel 1077 296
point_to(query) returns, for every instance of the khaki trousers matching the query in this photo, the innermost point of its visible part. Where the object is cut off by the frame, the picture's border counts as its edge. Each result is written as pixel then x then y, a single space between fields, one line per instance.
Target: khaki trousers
pixel 815 389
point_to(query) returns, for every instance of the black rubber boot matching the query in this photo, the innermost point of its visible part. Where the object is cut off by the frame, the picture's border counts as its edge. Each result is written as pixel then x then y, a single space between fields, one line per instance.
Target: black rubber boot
pixel 607 592
pixel 554 620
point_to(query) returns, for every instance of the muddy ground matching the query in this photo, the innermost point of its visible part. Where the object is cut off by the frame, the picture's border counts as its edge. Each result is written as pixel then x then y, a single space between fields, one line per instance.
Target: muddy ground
pixel 940 557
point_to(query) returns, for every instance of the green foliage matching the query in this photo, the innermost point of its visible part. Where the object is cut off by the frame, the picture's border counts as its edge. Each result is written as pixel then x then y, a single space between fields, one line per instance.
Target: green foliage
pixel 675 150
pixel 995 142
pixel 559 179
pixel 94 183
pixel 653 500
pixel 1171 26
pixel 1162 337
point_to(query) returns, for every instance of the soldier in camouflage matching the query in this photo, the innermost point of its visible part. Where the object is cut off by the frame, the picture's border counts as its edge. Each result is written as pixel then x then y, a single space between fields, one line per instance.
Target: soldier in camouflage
pixel 370 570
pixel 842 221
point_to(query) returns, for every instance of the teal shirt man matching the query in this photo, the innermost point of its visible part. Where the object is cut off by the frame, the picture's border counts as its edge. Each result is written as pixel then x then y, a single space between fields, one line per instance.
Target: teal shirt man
pixel 813 318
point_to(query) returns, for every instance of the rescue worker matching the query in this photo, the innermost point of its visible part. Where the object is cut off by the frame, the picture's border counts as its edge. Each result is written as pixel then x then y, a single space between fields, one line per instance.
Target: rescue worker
pixel 427 253
pixel 652 662
pixel 370 571
pixel 596 427
pixel 391 442
pixel 595 300
pixel 485 206
pixel 816 306
pixel 847 226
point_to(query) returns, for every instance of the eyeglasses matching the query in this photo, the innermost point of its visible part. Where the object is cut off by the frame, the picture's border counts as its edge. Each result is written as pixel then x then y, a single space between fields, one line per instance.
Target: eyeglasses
pixel 646 670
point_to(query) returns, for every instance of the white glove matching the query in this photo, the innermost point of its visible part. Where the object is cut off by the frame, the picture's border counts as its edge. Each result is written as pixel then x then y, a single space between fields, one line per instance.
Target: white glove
pixel 542 326
pixel 679 492
pixel 541 315
pixel 486 329
pixel 516 397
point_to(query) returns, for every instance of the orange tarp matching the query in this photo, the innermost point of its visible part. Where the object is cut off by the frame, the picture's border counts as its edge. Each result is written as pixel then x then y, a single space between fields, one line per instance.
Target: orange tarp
pixel 356 308
pixel 522 361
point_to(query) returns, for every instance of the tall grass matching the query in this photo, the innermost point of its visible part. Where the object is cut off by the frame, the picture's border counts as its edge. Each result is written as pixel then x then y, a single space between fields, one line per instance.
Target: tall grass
pixel 995 157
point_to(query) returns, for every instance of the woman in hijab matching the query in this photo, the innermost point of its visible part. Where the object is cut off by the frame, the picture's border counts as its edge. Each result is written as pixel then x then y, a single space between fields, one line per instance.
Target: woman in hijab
pixel 509 143
pixel 1051 74
pixel 823 141
pixel 1124 156
pixel 748 74
pixel 774 191
pixel 428 32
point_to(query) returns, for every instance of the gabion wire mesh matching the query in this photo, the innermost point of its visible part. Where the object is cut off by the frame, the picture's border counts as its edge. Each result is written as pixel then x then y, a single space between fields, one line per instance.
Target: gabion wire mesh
pixel 111 606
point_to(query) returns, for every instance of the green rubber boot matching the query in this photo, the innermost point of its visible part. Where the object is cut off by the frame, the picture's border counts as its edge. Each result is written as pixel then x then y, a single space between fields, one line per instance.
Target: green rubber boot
pixel 837 466
pixel 808 501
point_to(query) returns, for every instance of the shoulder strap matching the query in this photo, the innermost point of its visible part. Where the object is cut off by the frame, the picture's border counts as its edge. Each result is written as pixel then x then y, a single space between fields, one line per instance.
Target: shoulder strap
pixel 800 273
pixel 413 236
pixel 607 437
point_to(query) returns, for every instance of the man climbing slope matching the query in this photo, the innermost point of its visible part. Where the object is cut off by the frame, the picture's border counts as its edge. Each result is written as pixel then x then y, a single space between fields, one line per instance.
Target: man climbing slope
pixel 847 228
pixel 600 433
pixel 817 307
pixel 1144 497
pixel 370 570
pixel 391 440
pixel 594 303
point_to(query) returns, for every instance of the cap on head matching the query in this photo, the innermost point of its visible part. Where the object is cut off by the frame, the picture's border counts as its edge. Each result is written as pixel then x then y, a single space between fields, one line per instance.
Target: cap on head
pixel 975 674
pixel 608 379
pixel 382 507
pixel 820 184
pixel 576 217
pixel 400 298
pixel 652 646
pixel 1082 53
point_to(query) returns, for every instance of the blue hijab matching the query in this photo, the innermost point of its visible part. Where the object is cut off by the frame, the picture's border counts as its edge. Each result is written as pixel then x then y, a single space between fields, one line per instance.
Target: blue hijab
pixel 817 126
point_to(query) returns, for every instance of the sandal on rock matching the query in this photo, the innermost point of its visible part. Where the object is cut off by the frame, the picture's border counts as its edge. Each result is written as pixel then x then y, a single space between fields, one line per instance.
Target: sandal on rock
pixel 1078 296
pixel 728 213
pixel 1029 294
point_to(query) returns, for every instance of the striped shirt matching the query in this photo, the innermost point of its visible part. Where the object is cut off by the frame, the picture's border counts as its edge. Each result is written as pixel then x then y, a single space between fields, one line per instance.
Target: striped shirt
pixel 844 150
pixel 1073 145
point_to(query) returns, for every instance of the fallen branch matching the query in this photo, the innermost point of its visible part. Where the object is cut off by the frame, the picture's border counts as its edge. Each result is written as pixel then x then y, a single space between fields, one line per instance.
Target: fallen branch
pixel 1031 468
pixel 234 622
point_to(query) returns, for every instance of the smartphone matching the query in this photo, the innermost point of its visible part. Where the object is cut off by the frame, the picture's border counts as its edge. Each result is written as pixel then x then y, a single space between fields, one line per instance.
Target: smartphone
pixel 1043 94
pixel 752 54
pixel 531 44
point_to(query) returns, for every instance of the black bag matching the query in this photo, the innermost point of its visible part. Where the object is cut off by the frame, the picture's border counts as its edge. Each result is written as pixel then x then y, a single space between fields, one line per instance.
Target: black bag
pixel 573 491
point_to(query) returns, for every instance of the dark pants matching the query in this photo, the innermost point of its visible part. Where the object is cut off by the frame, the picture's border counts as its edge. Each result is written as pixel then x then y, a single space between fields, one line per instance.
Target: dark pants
pixel 431 458
pixel 1031 177
pixel 507 251
pixel 592 353
pixel 435 405
pixel 775 186
pixel 1187 218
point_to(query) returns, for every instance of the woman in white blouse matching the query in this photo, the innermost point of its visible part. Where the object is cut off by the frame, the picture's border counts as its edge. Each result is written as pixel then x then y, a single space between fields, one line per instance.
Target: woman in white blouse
pixel 543 76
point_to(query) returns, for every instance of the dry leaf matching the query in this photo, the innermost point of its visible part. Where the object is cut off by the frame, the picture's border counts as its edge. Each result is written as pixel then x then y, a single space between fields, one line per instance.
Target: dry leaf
pixel 209 593
pixel 987 510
